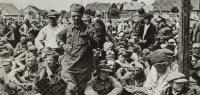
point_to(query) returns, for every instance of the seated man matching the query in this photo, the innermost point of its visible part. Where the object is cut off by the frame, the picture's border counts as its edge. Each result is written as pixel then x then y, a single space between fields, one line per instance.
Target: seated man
pixel 21 46
pixel 103 84
pixel 156 79
pixel 8 78
pixel 177 85
pixel 132 78
pixel 49 81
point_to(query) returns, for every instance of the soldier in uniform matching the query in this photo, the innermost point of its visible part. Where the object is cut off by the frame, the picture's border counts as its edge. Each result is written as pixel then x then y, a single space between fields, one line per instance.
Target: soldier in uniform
pixel 78 41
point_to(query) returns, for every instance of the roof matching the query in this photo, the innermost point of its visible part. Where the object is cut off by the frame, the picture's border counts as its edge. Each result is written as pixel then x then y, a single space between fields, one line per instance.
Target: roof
pixel 102 7
pixel 166 5
pixel 9 9
pixel 134 5
pixel 35 8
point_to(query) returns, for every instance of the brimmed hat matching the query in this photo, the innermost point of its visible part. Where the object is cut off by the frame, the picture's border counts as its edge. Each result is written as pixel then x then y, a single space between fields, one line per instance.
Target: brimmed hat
pixel 176 77
pixel 104 67
pixel 159 58
pixel 77 8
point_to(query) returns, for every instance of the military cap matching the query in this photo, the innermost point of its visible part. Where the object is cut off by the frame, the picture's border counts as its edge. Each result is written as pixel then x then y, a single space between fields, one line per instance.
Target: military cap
pixel 158 58
pixel 104 67
pixel 77 8
pixel 176 77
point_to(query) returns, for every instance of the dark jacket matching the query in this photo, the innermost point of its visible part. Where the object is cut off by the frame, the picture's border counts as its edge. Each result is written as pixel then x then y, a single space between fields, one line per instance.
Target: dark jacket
pixel 78 58
pixel 149 37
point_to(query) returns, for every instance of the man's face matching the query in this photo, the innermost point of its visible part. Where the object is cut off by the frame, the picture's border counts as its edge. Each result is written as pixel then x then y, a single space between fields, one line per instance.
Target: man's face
pixel 31 62
pixel 178 86
pixel 87 19
pixel 137 71
pixel 9 21
pixel 7 68
pixel 111 64
pixel 52 21
pixel 161 67
pixel 147 21
pixel 23 39
pixel 121 58
pixel 76 17
pixel 104 75
pixel 110 57
pixel 50 61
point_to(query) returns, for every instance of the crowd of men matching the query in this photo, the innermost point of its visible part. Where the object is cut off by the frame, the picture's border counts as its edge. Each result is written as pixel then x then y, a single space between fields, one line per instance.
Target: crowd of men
pixel 84 55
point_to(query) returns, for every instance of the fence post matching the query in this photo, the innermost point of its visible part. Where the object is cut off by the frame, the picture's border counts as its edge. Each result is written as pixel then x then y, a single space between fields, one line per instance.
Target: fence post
pixel 184 38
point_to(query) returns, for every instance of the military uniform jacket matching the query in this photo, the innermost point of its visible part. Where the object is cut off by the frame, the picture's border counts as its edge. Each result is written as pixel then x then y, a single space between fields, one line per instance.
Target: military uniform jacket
pixel 81 39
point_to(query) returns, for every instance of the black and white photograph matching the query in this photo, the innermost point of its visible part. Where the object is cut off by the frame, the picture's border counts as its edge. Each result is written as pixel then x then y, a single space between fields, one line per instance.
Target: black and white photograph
pixel 99 47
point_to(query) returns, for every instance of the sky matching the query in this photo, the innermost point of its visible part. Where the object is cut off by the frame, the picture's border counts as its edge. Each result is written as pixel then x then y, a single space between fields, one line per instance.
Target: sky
pixel 60 4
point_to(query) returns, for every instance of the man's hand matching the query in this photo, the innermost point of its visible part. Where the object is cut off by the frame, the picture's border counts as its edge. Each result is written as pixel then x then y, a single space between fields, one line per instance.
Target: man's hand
pixel 67 47
pixel 142 41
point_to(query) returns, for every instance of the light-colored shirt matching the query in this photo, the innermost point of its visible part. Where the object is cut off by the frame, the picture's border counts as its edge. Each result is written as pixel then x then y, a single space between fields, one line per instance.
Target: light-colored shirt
pixel 47 35
pixel 146 27
pixel 155 83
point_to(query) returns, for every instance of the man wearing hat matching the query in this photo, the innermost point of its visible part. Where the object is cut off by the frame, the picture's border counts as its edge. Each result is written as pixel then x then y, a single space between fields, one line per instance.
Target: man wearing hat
pixel 47 35
pixel 146 32
pixel 177 85
pixel 103 84
pixel 78 42
pixel 140 21
pixel 134 79
pixel 156 79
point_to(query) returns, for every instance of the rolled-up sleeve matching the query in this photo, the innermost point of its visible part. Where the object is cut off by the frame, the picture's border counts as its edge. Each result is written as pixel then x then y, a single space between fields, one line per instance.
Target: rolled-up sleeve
pixel 117 86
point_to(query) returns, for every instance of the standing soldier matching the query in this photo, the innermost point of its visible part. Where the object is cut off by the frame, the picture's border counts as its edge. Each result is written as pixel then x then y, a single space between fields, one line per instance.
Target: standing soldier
pixel 78 41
